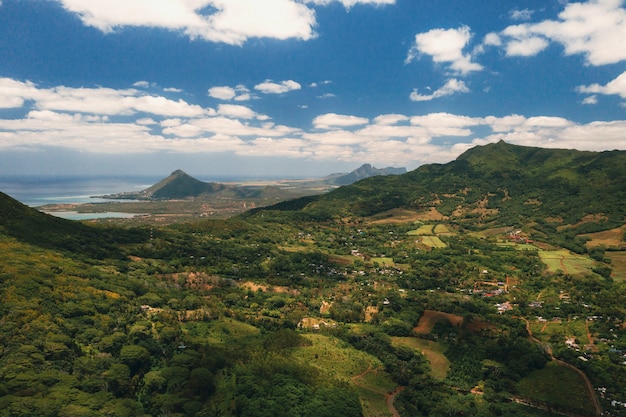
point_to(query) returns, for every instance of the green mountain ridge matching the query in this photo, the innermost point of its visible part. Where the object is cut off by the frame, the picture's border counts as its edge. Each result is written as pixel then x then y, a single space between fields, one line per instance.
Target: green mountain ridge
pixel 503 182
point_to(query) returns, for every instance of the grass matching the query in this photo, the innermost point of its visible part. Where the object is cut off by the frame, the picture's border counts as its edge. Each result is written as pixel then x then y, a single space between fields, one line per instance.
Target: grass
pixel 430 317
pixel 565 261
pixel 337 360
pixel 556 385
pixel 433 242
pixel 439 364
pixel 383 261
pixel 607 238
pixel 564 329
pixel 220 332
pixel 426 229
pixel 442 229
pixel 618 264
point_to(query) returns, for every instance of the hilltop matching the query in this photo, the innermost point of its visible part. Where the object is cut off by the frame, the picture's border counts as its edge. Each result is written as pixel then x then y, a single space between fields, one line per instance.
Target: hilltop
pixel 362 172
pixel 493 183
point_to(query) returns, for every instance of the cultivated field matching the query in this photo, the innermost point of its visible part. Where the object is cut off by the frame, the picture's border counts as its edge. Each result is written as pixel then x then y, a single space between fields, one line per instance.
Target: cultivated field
pixel 618 264
pixel 430 318
pixel 558 386
pixel 439 364
pixel 423 230
pixel 337 360
pixel 609 238
pixel 566 261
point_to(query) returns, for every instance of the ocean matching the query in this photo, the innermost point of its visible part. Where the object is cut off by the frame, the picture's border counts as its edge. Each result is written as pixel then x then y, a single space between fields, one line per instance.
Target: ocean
pixel 37 191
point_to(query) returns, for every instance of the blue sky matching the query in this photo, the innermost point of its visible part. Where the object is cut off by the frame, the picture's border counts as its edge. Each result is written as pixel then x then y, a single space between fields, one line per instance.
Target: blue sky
pixel 301 87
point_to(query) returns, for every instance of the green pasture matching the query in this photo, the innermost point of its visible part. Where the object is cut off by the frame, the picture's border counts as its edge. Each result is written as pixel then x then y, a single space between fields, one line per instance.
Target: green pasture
pixel 442 229
pixel 425 229
pixel 383 261
pixel 618 265
pixel 217 332
pixel 439 364
pixel 557 385
pixel 433 242
pixel 563 329
pixel 337 360
pixel 565 261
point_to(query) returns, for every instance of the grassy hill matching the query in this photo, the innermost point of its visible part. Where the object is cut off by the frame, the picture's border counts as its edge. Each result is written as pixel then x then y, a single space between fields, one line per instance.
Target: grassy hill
pixel 496 184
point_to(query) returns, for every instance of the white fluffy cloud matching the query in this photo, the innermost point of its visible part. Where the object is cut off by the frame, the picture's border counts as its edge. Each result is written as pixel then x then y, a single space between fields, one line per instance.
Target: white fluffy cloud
pixel 231 21
pixel 105 120
pixel 616 87
pixel 452 86
pixel 332 120
pixel 270 87
pixel 595 29
pixel 445 46
pixel 349 3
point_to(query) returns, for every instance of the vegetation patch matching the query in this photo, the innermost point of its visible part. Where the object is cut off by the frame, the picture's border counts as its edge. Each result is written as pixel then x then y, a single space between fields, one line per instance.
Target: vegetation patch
pixel 566 262
pixel 618 264
pixel 557 386
pixel 434 352
pixel 432 242
pixel 423 230
pixel 613 238
pixel 431 317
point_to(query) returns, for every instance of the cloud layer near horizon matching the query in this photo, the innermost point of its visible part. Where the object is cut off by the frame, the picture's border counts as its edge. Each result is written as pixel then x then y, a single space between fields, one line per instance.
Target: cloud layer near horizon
pixel 130 120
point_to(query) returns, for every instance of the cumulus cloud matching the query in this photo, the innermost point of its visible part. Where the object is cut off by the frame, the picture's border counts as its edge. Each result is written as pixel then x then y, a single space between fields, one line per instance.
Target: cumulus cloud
pixel 236 111
pixel 524 14
pixel 615 87
pixel 452 86
pixel 445 46
pixel 104 120
pixel 230 21
pixel 595 29
pixel 350 3
pixel 333 120
pixel 270 87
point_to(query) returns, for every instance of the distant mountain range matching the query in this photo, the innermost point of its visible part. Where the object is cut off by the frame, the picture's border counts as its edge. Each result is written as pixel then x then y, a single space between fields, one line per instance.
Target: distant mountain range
pixel 364 171
pixel 496 183
pixel 180 185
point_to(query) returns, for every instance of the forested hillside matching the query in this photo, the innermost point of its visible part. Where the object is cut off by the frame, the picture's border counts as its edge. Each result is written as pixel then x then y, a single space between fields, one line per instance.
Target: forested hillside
pixel 492 285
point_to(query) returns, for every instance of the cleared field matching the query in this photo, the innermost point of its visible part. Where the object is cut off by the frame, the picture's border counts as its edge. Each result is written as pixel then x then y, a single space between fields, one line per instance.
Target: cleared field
pixel 337 360
pixel 442 229
pixel 433 242
pixel 431 317
pixel 223 331
pixel 423 230
pixel 608 238
pixel 439 364
pixel 563 329
pixel 383 261
pixel 558 386
pixel 563 260
pixel 618 264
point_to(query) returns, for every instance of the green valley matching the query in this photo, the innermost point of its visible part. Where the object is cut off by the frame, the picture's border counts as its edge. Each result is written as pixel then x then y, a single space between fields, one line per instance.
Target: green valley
pixel 489 286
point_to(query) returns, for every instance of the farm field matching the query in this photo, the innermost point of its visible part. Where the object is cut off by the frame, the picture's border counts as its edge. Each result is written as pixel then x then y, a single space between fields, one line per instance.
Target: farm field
pixel 425 229
pixel 439 364
pixel 558 386
pixel 563 329
pixel 432 242
pixel 609 238
pixel 566 261
pixel 431 317
pixel 336 360
pixel 618 264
